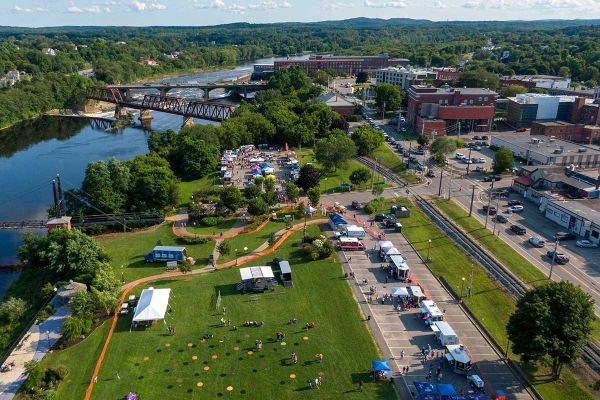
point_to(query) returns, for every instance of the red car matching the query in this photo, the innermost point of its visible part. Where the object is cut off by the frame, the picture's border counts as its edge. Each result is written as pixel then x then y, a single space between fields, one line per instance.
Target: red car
pixel 357 205
pixel 515 203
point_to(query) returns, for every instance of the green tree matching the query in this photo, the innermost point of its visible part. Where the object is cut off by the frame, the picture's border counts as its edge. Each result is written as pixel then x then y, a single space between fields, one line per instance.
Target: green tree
pixel 231 197
pixel 224 248
pixel 251 192
pixel 82 305
pixel 193 157
pixel 308 177
pixel 13 309
pixel 153 184
pixel 72 328
pixel 362 77
pixel 388 97
pixel 258 206
pixel 564 71
pixel 292 191
pixel 512 90
pixel 105 288
pixel 552 321
pixel 479 78
pixel 184 267
pixel 314 196
pixel 367 140
pixel 442 146
pixel 360 176
pixel 378 189
pixel 335 150
pixel 35 372
pixel 503 160
pixel 423 140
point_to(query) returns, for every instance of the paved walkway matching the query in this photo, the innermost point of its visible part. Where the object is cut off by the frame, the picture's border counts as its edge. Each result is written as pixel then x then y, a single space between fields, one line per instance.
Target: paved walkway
pixel 34 346
pixel 401 331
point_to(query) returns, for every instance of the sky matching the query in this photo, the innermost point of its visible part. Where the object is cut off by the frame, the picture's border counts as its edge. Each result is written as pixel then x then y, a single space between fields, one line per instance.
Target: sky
pixel 39 13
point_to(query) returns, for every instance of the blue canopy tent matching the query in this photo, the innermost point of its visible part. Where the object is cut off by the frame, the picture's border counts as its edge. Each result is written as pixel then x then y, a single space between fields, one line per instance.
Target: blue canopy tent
pixel 426 390
pixel 446 391
pixel 336 221
pixel 380 365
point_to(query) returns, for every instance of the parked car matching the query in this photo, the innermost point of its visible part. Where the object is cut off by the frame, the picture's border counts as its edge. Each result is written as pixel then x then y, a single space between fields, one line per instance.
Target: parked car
pixel 501 218
pixel 564 236
pixel 484 137
pixel 357 205
pixel 481 160
pixel 537 241
pixel 477 147
pixel 380 217
pixel 418 151
pixel 586 243
pixel 430 174
pixel 479 168
pixel 518 229
pixel 559 258
pixel 491 210
pixel 515 203
pixel 491 178
pixel 515 209
pixel 467 161
pixel 459 156
pixel 476 137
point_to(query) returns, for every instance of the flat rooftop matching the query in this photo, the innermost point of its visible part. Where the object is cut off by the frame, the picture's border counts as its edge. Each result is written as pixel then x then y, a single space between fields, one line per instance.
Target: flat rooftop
pixel 546 145
pixel 589 209
pixel 424 90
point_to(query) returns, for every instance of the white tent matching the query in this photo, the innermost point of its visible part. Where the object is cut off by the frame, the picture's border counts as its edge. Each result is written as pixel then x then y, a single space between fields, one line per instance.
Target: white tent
pixel 256 273
pixel 385 244
pixel 152 305
pixel 392 252
pixel 399 292
pixel 416 291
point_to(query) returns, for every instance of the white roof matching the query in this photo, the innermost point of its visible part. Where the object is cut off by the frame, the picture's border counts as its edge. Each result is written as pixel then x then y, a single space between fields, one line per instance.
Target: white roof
pixel 285 267
pixel 430 307
pixel 416 291
pixel 384 244
pixel 392 251
pixel 444 328
pixel 354 228
pixel 399 292
pixel 399 262
pixel 256 272
pixel 168 248
pixel 348 239
pixel 152 305
pixel 456 352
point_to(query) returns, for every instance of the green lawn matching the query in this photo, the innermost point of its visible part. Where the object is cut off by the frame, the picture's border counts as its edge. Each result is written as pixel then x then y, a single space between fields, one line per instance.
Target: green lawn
pixel 331 180
pixel 127 251
pixel 169 372
pixel 250 240
pixel 224 226
pixel 186 189
pixel 508 256
pixel 392 161
pixel 490 304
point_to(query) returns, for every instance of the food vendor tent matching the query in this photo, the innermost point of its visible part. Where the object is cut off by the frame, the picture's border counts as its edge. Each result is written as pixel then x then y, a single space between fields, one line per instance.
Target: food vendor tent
pixel 152 305
pixel 399 292
pixel 380 365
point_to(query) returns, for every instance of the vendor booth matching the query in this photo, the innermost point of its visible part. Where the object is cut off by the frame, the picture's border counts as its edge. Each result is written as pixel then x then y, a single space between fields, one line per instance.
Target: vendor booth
pixel 384 245
pixel 426 390
pixel 446 391
pixel 152 306
pixel 256 279
pixel 416 292
pixel 399 292
pixel 392 251
pixel 444 333
pixel 381 369
pixel 430 312
pixel 458 358
pixel 399 268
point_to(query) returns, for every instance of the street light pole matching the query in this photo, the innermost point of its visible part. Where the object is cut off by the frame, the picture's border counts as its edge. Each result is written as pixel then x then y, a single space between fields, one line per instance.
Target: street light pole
pixel 462 286
pixel 553 259
pixel 236 256
pixel 472 198
pixel 440 188
pixel 487 213
pixel 469 163
pixel 428 249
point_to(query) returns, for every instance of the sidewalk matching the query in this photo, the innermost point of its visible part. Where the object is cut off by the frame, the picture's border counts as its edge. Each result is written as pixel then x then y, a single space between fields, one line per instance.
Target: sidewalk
pixel 34 346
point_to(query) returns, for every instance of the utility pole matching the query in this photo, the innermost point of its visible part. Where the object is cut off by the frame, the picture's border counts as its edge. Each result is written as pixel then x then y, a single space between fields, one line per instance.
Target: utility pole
pixel 495 217
pixel 553 259
pixel 487 213
pixel 472 198
pixel 449 184
pixel 459 129
pixel 440 188
pixel 373 175
pixel 383 111
pixel 469 163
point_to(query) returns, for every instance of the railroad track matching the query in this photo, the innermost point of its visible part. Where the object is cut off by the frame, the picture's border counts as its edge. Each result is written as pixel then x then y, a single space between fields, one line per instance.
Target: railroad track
pixel 382 171
pixel 516 287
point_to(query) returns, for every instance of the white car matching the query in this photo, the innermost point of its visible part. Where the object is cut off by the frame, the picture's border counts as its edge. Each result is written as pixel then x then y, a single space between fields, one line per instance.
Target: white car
pixel 537 241
pixel 586 243
pixel 481 160
pixel 459 156
pixel 515 209
pixel 467 161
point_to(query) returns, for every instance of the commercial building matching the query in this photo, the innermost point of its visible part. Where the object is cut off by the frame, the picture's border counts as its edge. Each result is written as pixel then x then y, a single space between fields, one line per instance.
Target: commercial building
pixel 545 150
pixel 338 103
pixel 564 130
pixel 525 108
pixel 537 81
pixel 405 77
pixel 343 65
pixel 448 110
pixel 262 70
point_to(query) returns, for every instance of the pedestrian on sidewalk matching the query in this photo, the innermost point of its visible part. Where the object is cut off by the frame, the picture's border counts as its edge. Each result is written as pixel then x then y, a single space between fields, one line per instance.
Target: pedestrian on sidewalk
pixel 402 354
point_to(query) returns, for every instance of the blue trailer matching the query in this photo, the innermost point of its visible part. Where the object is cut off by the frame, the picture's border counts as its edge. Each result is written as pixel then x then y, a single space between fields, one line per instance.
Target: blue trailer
pixel 166 253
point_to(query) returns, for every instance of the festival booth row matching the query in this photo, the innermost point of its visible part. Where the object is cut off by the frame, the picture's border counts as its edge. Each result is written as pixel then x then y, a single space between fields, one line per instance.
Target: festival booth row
pixel 443 391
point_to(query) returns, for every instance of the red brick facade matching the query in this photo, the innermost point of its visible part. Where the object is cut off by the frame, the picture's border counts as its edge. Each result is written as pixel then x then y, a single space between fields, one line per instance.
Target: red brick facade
pixel 349 65
pixel 572 132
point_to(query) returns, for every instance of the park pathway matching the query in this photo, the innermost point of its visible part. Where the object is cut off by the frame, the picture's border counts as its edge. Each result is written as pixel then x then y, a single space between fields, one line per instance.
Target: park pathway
pixel 35 344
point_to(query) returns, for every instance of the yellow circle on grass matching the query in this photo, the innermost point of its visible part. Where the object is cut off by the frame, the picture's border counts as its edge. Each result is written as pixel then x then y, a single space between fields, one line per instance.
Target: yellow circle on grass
pixel 229 388
pixel 199 384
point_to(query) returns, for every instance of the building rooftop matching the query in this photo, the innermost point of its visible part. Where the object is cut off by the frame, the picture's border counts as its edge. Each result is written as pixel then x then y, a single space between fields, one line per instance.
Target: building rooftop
pixel 430 90
pixel 530 98
pixel 534 77
pixel 547 145
pixel 590 209
pixel 335 100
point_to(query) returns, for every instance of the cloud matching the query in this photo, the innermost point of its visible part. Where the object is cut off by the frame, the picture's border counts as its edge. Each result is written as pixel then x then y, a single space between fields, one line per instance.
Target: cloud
pixel 138 5
pixel 439 4
pixel 339 5
pixel 385 4
pixel 578 5
pixel 94 9
pixel 221 5
pixel 26 10
pixel 269 5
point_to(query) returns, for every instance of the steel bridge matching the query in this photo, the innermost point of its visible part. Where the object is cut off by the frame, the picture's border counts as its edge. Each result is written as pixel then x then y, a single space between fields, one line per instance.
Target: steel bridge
pixel 126 220
pixel 202 109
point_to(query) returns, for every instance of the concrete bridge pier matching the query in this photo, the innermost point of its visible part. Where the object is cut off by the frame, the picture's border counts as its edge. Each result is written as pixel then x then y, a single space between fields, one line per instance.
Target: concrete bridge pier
pixel 164 91
pixel 206 94
pixel 145 115
pixel 187 121
pixel 120 112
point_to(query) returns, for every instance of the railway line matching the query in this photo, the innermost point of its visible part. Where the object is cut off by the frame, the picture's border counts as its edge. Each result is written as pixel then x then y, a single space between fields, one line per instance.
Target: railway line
pixel 389 175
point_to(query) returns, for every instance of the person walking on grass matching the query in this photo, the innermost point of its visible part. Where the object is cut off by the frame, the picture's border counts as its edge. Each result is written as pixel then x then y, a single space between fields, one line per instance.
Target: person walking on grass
pixel 360 386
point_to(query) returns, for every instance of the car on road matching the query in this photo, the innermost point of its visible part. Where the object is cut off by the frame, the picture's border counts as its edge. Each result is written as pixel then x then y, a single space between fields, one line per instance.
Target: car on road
pixel 559 258
pixel 418 151
pixel 467 161
pixel 357 205
pixel 477 147
pixel 586 243
pixel 537 241
pixel 491 210
pixel 403 129
pixel 491 178
pixel 518 229
pixel 459 156
pixel 515 209
pixel 515 203
pixel 501 218
pixel 564 236
pixel 480 160
pixel 430 174
pixel 479 168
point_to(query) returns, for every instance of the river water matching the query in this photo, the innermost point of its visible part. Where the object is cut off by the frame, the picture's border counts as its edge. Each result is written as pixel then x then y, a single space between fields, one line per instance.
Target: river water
pixel 32 153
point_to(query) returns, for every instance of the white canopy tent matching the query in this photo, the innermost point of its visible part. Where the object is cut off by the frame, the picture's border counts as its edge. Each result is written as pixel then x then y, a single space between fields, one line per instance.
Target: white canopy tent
pixel 417 292
pixel 256 273
pixel 399 292
pixel 152 305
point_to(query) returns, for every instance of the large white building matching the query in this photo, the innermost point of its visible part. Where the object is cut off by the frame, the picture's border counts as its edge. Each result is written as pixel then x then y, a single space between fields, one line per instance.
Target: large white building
pixel 404 77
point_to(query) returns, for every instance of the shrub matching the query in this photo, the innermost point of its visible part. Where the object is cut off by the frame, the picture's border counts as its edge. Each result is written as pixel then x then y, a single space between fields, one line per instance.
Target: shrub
pixel 13 309
pixel 192 240
pixel 72 328
pixel 211 221
pixel 375 205
pixel 224 248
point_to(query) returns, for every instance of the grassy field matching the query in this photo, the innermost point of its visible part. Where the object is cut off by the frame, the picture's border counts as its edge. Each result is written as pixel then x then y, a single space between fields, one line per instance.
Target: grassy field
pixel 224 226
pixel 490 304
pixel 392 161
pixel 250 240
pixel 508 256
pixel 186 189
pixel 127 251
pixel 159 366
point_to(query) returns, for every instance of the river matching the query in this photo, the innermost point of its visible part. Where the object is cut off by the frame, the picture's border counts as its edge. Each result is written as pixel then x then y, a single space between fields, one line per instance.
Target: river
pixel 32 153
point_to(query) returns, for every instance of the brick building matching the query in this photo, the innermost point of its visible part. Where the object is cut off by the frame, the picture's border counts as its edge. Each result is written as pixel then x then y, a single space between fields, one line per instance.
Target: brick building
pixel 406 77
pixel 343 65
pixel 446 110
pixel 564 130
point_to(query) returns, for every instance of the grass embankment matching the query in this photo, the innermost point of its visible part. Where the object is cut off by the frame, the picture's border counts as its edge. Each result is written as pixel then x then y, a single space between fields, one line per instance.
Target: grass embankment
pixel 222 226
pixel 127 251
pixel 391 161
pixel 250 240
pixel 491 305
pixel 187 189
pixel 507 255
pixel 331 180
pixel 170 372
